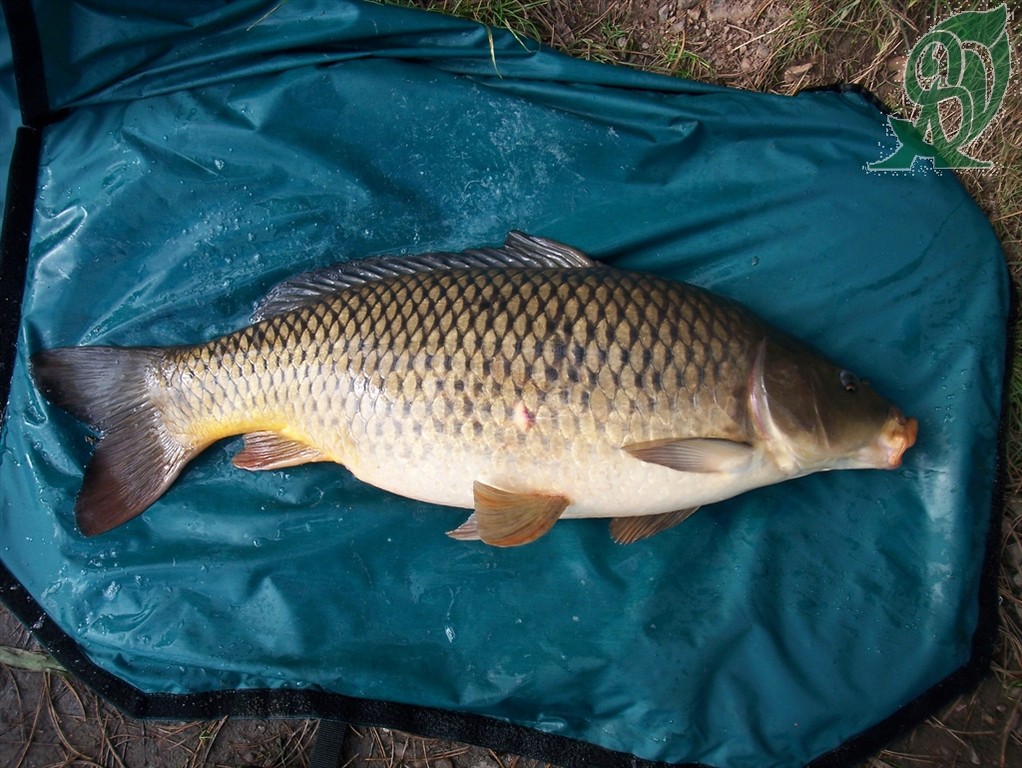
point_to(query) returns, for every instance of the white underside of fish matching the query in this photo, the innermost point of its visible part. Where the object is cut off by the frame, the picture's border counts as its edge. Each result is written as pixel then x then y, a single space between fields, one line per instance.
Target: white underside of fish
pixel 597 483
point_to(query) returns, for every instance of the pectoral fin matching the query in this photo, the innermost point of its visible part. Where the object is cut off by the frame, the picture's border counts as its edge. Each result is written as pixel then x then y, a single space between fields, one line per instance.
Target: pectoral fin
pixel 698 454
pixel 628 530
pixel 508 519
pixel 268 450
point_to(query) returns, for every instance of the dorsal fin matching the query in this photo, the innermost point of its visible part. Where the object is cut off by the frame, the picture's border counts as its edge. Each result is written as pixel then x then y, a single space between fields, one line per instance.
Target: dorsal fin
pixel 519 250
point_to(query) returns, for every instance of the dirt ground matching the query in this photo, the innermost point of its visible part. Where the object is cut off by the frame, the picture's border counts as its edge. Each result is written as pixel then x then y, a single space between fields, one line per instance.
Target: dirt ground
pixel 48 719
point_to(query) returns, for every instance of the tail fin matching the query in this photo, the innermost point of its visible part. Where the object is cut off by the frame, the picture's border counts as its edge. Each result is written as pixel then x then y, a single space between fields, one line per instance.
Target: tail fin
pixel 137 458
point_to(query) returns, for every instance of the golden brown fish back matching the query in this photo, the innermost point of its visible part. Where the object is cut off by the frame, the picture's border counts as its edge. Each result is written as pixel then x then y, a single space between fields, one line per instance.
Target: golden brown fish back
pixel 489 356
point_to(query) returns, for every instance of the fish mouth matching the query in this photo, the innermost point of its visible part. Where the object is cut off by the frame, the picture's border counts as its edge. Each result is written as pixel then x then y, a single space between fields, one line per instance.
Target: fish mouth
pixel 897 436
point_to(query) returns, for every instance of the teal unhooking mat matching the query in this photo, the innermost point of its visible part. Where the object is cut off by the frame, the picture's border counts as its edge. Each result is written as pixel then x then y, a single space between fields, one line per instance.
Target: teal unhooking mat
pixel 176 163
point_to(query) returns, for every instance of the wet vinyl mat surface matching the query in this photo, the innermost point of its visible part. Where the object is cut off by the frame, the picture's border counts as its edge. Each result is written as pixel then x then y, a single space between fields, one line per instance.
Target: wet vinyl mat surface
pixel 203 160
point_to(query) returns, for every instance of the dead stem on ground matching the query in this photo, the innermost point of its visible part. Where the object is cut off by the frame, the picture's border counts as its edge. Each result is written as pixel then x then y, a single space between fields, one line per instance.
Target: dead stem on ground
pixel 386 748
pixel 59 723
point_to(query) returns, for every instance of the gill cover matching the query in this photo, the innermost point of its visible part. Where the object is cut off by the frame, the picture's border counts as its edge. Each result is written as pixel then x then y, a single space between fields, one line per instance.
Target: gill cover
pixel 814 415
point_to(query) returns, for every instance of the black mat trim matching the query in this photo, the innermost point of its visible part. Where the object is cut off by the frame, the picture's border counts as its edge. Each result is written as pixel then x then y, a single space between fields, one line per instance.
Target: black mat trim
pixel 27 51
pixel 17 227
pixel 859 90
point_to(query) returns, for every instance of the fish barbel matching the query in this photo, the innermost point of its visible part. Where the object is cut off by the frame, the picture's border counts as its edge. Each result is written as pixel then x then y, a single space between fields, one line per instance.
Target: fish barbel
pixel 527 383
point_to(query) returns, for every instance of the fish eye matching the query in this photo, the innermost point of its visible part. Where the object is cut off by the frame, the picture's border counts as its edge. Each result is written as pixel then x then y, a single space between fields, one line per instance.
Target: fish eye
pixel 849 381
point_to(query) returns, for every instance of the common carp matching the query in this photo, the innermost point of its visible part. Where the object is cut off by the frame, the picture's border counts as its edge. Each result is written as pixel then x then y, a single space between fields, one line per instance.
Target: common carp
pixel 527 383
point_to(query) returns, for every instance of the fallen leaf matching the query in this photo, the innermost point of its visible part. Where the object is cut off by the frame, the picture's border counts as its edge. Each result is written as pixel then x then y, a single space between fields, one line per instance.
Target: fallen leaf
pixel 799 69
pixel 34 661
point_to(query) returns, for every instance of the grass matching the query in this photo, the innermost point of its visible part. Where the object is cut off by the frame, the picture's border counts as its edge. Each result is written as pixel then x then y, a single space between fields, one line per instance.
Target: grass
pixel 674 59
pixel 515 16
pixel 767 45
pixel 801 36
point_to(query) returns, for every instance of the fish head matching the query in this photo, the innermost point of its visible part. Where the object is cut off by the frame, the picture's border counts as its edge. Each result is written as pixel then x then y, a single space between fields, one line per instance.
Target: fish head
pixel 813 415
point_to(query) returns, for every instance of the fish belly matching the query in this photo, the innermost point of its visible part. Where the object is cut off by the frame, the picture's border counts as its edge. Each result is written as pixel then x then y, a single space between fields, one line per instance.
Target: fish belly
pixel 598 483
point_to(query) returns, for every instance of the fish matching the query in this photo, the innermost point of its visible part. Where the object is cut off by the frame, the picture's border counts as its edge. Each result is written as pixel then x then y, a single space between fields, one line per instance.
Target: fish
pixel 527 382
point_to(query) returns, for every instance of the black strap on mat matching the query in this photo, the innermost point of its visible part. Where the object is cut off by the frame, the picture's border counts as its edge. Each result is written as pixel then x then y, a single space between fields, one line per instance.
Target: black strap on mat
pixel 17 226
pixel 27 52
pixel 21 181
pixel 328 747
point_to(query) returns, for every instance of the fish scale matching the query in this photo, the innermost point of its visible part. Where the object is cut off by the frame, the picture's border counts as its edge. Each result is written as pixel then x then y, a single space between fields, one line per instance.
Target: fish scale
pixel 465 349
pixel 548 386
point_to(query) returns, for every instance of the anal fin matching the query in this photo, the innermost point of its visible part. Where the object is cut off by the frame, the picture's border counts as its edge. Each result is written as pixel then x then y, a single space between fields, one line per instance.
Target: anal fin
pixel 628 530
pixel 467 531
pixel 269 450
pixel 508 518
